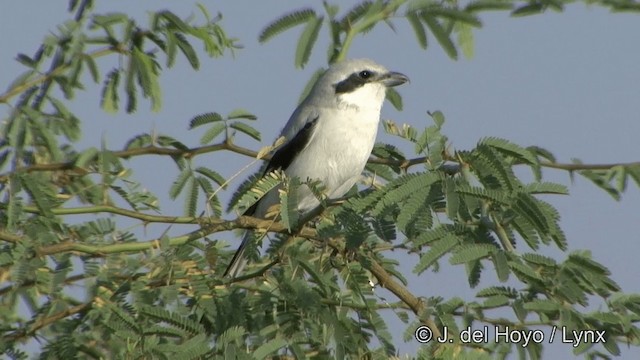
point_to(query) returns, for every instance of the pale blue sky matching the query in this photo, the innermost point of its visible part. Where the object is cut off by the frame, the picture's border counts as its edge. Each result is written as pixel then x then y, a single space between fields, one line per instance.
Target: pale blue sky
pixel 568 82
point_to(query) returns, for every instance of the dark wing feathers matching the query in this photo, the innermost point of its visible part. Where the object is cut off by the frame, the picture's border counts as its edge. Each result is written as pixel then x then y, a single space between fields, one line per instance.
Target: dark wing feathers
pixel 284 156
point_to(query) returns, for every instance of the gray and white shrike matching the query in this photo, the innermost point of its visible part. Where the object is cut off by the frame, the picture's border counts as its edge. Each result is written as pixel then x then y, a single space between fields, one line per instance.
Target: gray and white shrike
pixel 329 137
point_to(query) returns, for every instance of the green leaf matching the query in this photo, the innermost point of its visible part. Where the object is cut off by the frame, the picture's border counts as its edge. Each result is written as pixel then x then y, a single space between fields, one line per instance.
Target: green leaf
pixel 241 114
pixel 109 101
pixel 40 194
pixel 543 306
pixel 487 5
pixel 355 14
pixel 418 28
pixel 93 67
pixel 441 35
pixel 179 183
pixel 187 50
pixel 465 39
pixel 394 98
pixel 510 149
pixel 530 9
pixel 286 22
pixel 437 250
pixel 495 302
pixel 307 40
pixel 468 253
pixel 455 14
pixel 480 193
pixel 191 203
pixel 501 264
pixel 203 119
pixel 212 133
pixel 268 348
pixel 262 186
pixel 147 78
pixel 246 129
pixel 546 188
pixel 217 178
pixel 86 157
pixel 524 272
pixel 538 259
pixel 415 209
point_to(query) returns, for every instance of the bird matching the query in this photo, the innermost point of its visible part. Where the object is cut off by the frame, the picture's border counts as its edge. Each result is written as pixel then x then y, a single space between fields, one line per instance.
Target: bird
pixel 328 138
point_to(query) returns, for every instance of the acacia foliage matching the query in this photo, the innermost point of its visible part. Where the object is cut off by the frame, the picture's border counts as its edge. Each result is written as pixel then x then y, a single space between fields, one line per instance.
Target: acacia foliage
pixel 63 213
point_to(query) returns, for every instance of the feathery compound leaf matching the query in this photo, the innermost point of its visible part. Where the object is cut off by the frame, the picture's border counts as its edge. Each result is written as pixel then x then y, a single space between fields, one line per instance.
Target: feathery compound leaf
pixel 546 188
pixel 217 178
pixel 510 149
pixel 394 98
pixel 418 28
pixel 191 204
pixel 538 259
pixel 524 272
pixel 355 14
pixel 110 100
pixel 268 348
pixel 286 22
pixel 172 318
pixel 471 252
pixel 491 166
pixel 179 183
pixel 465 39
pixel 485 5
pixel 212 133
pixel 246 129
pixel 260 189
pixel 241 114
pixel 40 192
pixel 456 15
pixel 307 40
pixel 437 250
pixel 527 206
pixel 481 193
pixel 527 230
pixel 416 207
pixel 204 119
pixel 187 50
pixel 498 290
pixel 441 35
pixel 404 187
pixel 147 77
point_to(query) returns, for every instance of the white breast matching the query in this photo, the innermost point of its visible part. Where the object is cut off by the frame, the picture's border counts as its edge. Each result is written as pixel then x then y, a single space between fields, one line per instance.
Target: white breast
pixel 337 153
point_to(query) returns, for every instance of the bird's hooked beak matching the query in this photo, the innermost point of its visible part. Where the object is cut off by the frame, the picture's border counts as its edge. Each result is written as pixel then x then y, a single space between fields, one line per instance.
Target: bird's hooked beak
pixel 393 78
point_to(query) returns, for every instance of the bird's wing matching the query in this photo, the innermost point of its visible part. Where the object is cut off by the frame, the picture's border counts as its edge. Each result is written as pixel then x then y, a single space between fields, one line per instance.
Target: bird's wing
pixel 281 159
pixel 285 155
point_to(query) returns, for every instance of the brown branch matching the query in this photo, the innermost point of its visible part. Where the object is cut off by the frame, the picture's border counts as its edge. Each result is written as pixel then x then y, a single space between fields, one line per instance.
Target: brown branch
pixel 230 146
pixel 418 306
pixel 147 150
pixel 208 226
pixel 5 97
pixel 45 321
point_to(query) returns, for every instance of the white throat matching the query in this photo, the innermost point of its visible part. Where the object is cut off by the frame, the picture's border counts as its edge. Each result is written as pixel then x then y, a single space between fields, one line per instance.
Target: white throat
pixel 367 97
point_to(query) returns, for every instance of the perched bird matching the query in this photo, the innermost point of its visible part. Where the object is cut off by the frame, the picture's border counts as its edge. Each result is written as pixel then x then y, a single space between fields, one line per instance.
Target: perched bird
pixel 329 137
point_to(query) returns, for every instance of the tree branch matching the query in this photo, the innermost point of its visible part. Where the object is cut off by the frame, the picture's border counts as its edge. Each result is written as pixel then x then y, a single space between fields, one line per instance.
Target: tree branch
pixel 230 146
pixel 45 321
pixel 418 306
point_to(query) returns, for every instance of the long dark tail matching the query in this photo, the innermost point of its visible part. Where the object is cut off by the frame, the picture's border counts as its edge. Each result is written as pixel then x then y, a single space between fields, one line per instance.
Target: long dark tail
pixel 239 261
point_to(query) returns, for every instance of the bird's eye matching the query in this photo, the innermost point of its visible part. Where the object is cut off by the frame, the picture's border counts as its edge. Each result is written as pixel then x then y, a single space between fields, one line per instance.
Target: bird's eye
pixel 365 74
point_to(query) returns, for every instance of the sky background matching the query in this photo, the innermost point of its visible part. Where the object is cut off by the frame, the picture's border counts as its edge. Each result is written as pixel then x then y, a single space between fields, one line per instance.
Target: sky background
pixel 568 82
